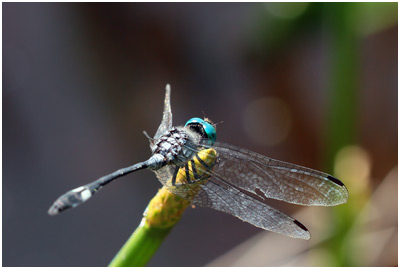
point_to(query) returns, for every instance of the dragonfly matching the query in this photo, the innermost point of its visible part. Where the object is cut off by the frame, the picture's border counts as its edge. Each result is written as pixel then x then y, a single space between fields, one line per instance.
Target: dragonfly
pixel 193 165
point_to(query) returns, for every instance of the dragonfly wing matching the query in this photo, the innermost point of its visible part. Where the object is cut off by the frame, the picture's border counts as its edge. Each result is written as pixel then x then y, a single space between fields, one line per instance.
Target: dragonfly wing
pixel 219 193
pixel 231 200
pixel 165 173
pixel 279 180
pixel 166 122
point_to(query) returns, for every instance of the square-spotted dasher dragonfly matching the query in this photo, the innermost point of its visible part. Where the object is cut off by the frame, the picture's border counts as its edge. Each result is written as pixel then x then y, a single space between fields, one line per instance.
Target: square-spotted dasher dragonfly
pixel 191 164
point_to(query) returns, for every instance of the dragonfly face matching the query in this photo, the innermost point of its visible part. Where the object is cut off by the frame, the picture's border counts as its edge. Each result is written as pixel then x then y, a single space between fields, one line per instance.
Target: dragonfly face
pixel 204 127
pixel 190 163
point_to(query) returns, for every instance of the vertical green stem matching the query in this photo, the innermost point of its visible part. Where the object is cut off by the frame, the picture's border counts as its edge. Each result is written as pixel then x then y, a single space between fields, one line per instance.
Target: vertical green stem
pixel 342 119
pixel 342 122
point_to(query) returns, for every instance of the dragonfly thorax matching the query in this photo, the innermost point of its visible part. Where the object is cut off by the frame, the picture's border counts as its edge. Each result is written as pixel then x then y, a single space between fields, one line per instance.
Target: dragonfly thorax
pixel 177 145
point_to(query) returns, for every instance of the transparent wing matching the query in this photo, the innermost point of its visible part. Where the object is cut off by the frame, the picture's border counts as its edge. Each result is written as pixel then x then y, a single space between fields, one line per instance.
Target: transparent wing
pixel 228 199
pixel 279 180
pixel 218 194
pixel 241 180
pixel 166 122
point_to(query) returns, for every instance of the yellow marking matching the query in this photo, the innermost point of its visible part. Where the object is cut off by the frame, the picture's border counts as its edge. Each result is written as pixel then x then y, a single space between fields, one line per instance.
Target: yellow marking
pixel 208 156
pixel 188 189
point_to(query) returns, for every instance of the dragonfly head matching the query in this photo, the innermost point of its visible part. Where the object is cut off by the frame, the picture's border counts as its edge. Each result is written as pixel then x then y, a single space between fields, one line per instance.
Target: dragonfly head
pixel 204 127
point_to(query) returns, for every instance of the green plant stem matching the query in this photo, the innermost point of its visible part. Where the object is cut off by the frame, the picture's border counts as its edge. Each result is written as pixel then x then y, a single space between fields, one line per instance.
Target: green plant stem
pixel 342 119
pixel 162 213
pixel 140 247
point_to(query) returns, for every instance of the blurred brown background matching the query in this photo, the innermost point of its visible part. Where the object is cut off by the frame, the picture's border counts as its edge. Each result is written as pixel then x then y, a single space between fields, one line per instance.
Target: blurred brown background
pixel 82 81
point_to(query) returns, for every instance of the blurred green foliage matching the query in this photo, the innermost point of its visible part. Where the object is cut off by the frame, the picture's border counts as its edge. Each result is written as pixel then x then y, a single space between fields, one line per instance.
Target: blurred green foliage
pixel 345 24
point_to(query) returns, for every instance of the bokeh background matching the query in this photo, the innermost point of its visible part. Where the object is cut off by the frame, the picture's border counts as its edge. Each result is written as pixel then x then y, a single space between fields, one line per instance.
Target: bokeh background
pixel 313 84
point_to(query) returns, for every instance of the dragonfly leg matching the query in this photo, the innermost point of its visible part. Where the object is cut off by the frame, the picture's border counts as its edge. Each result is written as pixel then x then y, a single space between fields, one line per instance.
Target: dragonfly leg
pixel 188 180
pixel 174 176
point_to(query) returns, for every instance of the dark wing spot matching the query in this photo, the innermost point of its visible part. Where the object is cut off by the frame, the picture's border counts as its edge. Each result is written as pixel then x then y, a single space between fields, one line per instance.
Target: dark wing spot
pixel 300 225
pixel 335 180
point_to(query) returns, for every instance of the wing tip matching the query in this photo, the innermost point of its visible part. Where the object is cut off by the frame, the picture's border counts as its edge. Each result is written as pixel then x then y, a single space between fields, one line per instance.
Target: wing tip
pixel 335 180
pixel 306 234
pixel 343 190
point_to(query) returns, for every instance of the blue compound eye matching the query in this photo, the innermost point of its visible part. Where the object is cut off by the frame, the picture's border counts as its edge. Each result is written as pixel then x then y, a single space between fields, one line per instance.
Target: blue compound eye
pixel 207 127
